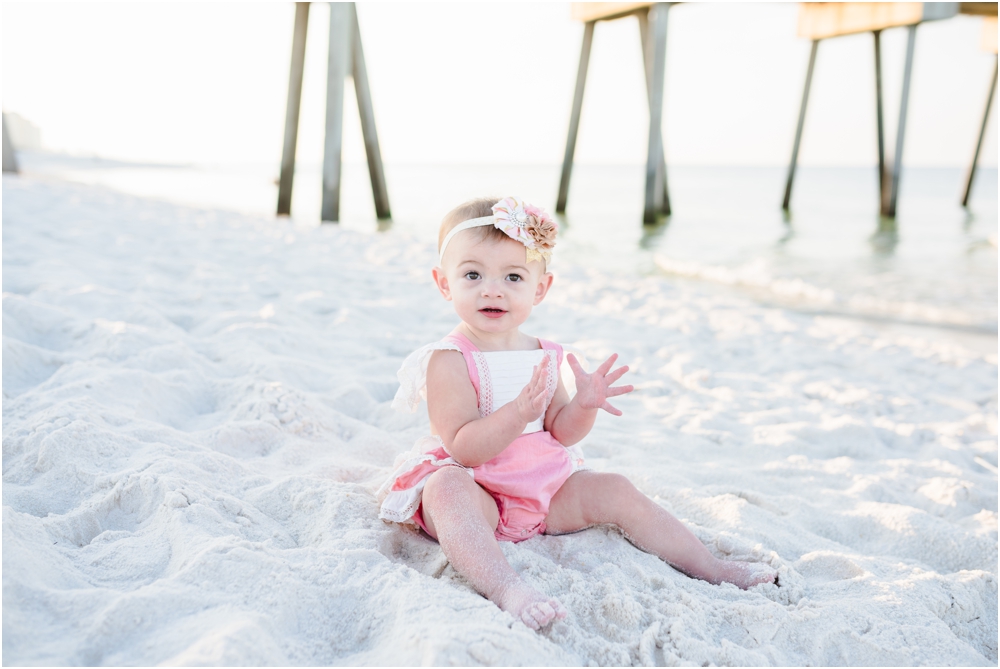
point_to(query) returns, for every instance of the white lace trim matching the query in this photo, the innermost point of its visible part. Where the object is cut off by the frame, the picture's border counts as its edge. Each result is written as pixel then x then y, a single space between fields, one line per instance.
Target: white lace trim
pixel 552 379
pixel 412 376
pixel 485 384
pixel 400 505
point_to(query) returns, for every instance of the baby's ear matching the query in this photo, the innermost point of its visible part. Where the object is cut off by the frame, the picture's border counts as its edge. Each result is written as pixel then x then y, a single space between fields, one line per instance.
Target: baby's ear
pixel 441 281
pixel 542 289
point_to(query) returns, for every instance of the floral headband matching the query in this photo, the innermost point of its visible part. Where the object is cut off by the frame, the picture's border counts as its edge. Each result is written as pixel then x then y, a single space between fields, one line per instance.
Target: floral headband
pixel 521 222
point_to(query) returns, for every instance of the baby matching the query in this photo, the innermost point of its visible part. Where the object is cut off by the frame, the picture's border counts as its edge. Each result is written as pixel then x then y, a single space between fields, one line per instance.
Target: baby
pixel 501 464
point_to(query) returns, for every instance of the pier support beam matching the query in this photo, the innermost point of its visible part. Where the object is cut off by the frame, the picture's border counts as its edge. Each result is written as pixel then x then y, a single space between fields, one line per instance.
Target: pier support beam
pixel 798 128
pixel 883 181
pixel 375 170
pixel 889 199
pixel 822 20
pixel 292 108
pixel 654 155
pixel 337 66
pixel 647 58
pixel 574 116
pixel 345 57
pixel 979 143
pixel 653 33
pixel 9 155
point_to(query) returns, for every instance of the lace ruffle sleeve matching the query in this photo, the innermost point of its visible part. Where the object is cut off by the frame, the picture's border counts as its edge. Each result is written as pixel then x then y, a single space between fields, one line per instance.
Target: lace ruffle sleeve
pixel 412 376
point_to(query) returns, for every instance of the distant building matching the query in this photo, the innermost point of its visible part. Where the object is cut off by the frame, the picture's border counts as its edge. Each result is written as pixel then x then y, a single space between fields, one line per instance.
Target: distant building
pixel 23 133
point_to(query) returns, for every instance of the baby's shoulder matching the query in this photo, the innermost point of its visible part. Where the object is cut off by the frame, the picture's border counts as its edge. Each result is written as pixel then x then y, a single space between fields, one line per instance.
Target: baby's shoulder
pixel 444 356
pixel 448 373
pixel 446 361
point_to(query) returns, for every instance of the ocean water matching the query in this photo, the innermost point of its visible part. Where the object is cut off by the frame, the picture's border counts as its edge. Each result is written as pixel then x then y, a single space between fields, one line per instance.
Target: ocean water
pixel 933 272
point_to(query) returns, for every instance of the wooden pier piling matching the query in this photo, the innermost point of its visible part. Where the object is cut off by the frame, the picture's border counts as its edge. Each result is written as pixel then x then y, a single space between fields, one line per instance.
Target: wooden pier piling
pixel 9 155
pixel 647 57
pixel 879 118
pixel 652 18
pixel 979 143
pixel 657 65
pixel 292 108
pixel 364 95
pixel 345 57
pixel 989 45
pixel 337 65
pixel 889 195
pixel 823 20
pixel 574 116
pixel 793 163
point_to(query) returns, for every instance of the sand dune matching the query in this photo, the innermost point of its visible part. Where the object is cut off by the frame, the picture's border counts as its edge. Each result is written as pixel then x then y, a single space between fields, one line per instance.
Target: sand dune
pixel 196 417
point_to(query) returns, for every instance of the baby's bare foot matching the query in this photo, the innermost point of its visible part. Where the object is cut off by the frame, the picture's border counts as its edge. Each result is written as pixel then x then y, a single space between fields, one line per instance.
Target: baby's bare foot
pixel 529 606
pixel 744 574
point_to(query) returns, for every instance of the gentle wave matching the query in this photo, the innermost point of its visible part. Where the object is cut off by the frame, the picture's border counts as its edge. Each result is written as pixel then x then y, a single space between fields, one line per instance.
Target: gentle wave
pixel 756 278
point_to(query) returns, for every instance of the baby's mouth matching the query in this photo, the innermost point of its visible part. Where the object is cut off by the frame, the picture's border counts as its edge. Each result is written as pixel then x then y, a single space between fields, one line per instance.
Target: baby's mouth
pixel 492 312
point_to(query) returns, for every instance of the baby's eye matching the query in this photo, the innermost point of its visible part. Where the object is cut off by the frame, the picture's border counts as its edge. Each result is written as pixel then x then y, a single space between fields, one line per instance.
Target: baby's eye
pixel 514 277
pixel 472 276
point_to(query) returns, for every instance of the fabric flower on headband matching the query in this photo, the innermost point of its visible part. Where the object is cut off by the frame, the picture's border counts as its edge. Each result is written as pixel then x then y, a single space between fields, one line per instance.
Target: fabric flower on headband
pixel 521 222
pixel 527 224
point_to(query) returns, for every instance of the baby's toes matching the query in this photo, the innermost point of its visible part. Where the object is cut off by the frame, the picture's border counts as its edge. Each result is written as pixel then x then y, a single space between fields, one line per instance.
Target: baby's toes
pixel 528 618
pixel 542 614
pixel 558 608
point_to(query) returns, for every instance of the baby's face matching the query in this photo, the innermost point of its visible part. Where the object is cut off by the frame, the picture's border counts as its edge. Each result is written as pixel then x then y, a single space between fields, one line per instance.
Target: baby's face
pixel 490 282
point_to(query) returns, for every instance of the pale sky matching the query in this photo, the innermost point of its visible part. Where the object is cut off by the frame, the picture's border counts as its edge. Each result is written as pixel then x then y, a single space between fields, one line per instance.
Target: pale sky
pixel 482 83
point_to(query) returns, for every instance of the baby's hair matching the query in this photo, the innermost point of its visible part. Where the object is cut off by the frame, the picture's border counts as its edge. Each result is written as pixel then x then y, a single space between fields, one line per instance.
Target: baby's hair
pixel 477 208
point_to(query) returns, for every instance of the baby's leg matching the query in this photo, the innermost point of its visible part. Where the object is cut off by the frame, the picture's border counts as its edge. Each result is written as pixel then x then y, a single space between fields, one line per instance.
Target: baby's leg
pixel 591 498
pixel 462 517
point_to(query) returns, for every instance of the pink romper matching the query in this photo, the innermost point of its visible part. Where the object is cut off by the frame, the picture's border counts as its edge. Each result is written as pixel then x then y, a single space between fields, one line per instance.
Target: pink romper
pixel 523 478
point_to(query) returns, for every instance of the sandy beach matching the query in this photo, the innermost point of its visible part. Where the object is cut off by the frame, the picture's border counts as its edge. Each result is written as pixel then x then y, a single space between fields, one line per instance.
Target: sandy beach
pixel 196 419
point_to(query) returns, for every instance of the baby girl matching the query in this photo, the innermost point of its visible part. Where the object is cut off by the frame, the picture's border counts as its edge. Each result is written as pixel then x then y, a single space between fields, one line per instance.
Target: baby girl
pixel 501 463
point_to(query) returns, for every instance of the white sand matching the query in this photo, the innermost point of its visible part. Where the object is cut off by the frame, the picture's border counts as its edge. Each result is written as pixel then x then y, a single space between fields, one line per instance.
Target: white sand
pixel 196 416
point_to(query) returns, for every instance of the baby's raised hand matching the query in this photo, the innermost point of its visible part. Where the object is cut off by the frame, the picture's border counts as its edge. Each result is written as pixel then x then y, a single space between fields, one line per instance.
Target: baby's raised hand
pixel 531 402
pixel 593 390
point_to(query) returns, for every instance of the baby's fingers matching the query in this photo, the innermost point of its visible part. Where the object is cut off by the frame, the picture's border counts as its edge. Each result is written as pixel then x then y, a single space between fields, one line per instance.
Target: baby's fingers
pixel 606 365
pixel 615 375
pixel 536 374
pixel 538 401
pixel 542 371
pixel 542 365
pixel 610 409
pixel 619 390
pixel 575 365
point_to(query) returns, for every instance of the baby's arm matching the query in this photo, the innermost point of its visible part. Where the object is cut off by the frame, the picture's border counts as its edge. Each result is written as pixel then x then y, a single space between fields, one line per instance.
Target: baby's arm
pixel 569 421
pixel 454 412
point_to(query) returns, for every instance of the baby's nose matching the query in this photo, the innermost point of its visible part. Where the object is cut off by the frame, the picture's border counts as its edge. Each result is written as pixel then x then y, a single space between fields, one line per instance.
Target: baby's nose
pixel 492 288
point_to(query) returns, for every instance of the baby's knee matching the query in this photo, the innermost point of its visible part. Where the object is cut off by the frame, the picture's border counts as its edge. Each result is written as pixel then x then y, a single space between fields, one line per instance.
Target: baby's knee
pixel 617 485
pixel 610 496
pixel 447 484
